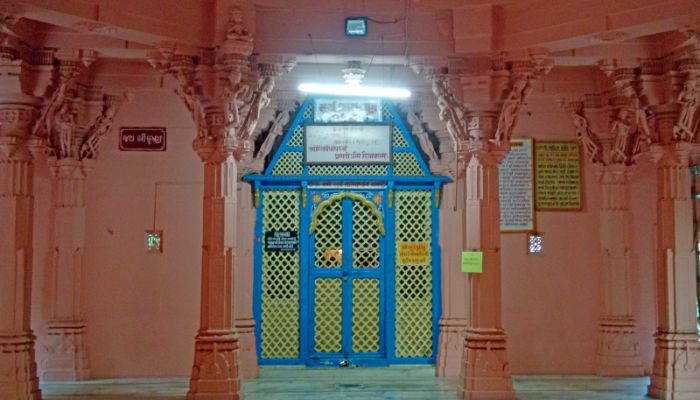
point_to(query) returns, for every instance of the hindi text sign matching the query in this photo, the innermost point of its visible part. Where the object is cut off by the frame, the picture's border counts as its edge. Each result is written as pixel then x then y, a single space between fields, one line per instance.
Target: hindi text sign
pixel 142 138
pixel 285 241
pixel 348 144
pixel 515 188
pixel 558 176
pixel 413 253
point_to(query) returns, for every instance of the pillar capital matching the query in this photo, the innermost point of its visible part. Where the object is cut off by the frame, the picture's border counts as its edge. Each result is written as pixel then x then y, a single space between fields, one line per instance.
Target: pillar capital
pixel 224 89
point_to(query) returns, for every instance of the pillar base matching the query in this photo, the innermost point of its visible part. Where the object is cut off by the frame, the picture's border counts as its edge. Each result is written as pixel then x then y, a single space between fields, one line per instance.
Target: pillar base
pixel 618 348
pixel 486 370
pixel 676 372
pixel 248 358
pixel 18 379
pixel 66 358
pixel 215 369
pixel 450 347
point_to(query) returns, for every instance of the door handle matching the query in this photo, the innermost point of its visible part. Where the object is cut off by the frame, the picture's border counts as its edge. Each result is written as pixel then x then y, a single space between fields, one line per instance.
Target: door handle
pixel 345 276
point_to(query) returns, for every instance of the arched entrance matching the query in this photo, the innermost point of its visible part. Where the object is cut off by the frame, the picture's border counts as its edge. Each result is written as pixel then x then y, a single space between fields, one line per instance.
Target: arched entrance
pixel 347 260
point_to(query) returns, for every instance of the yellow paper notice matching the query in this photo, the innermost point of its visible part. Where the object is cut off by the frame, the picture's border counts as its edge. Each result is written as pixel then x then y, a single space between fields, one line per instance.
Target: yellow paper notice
pixel 413 253
pixel 472 261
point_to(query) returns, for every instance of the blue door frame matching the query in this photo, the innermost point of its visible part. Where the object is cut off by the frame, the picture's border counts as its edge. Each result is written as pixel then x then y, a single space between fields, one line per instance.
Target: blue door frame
pixel 305 182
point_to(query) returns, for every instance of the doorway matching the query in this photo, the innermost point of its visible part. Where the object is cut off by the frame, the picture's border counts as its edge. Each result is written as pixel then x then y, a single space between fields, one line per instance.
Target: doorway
pixel 346 278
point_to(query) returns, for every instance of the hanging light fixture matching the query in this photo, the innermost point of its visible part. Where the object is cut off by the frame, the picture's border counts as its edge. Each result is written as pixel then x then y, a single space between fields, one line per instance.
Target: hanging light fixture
pixel 354 73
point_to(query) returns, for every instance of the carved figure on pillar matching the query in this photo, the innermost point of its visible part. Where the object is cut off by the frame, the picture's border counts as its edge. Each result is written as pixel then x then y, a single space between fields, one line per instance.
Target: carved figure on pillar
pixel 511 108
pixel 585 135
pixel 419 132
pixel 685 128
pixel 450 111
pixel 275 131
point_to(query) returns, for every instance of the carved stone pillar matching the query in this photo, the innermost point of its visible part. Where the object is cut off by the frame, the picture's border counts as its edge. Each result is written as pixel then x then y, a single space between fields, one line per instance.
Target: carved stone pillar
pixel 676 371
pixel 18 377
pixel 453 322
pixel 66 358
pixel 618 346
pixel 244 324
pixel 215 370
pixel 486 370
pixel 619 133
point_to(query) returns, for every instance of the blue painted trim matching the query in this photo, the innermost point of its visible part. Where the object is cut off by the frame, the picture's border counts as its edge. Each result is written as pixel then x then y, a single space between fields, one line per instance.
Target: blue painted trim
pixel 304 282
pixel 390 271
pixel 436 263
pixel 257 271
pixel 354 178
pixel 347 277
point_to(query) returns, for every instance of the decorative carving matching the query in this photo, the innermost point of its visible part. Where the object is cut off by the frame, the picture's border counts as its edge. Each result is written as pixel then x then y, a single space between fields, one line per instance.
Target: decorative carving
pixel 418 131
pixel 589 140
pixel 224 92
pixel 689 100
pixel 102 125
pixel 452 113
pixel 275 131
pixel 511 108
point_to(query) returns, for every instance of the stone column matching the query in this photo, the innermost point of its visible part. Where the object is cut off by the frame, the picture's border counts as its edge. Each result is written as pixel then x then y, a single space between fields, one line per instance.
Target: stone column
pixel 215 370
pixel 66 358
pixel 244 324
pixel 18 377
pixel 453 322
pixel 618 347
pixel 676 371
pixel 486 370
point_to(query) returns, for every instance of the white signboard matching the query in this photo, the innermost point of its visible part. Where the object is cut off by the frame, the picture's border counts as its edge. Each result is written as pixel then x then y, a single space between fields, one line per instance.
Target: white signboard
pixel 347 110
pixel 348 144
pixel 516 188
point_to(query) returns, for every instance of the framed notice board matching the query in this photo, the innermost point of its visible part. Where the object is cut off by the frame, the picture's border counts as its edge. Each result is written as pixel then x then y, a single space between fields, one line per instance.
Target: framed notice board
pixel 516 187
pixel 558 176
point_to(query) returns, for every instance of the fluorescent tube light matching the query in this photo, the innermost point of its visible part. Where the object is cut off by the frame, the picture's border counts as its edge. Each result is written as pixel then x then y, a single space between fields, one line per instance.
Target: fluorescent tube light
pixel 355 90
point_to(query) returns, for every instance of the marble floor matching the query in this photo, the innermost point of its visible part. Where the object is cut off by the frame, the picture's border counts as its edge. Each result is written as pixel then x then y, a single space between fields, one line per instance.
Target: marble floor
pixel 396 382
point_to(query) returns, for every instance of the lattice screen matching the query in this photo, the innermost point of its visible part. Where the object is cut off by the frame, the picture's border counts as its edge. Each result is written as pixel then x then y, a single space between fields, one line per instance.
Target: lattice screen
pixel 329 237
pixel 348 170
pixel 328 315
pixel 280 279
pixel 406 164
pixel 398 140
pixel 289 163
pixel 365 237
pixel 297 138
pixel 414 286
pixel 365 315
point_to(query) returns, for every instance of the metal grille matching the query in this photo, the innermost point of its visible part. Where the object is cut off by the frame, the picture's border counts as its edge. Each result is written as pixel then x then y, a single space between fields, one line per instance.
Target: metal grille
pixel 386 113
pixel 350 170
pixel 365 237
pixel 309 112
pixel 328 315
pixel 329 237
pixel 414 286
pixel 405 163
pixel 289 163
pixel 280 279
pixel 297 138
pixel 398 140
pixel 365 315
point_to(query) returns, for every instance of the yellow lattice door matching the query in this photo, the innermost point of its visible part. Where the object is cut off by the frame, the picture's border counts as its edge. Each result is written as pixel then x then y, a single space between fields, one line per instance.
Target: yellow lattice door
pixel 346 277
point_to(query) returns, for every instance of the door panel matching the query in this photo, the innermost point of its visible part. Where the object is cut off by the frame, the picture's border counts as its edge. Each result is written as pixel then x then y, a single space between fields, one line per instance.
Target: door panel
pixel 347 280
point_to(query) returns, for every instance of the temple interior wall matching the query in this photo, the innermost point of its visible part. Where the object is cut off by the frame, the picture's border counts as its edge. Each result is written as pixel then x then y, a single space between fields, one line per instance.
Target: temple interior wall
pixel 142 310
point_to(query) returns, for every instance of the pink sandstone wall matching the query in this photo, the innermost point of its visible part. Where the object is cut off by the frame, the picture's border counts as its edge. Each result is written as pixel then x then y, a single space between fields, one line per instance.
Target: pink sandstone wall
pixel 142 310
